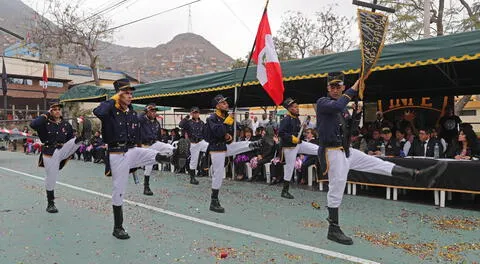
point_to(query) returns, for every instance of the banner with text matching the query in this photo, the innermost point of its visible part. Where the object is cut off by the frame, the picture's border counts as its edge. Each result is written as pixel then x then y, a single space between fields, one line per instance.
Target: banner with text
pixel 373 29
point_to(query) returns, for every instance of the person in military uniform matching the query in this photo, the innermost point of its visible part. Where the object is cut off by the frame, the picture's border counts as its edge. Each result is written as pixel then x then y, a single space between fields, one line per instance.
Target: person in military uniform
pixel 149 129
pixel 121 131
pixel 291 143
pixel 337 158
pixel 194 129
pixel 59 144
pixel 218 133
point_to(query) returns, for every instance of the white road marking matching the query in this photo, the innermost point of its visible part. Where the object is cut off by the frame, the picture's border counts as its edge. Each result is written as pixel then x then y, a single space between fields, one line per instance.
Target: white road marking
pixel 216 225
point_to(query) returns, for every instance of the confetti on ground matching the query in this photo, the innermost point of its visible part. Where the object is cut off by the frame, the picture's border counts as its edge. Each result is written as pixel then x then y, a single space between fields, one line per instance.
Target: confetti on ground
pixel 426 250
pixel 313 224
pixel 451 223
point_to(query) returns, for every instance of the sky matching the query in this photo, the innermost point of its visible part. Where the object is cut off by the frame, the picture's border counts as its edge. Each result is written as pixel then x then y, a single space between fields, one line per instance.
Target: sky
pixel 231 32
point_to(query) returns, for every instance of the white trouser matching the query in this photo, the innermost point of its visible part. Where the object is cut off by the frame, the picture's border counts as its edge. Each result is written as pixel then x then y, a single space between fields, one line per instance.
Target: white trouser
pixel 339 165
pixel 218 161
pixel 195 149
pixel 163 149
pixel 52 163
pixel 290 155
pixel 121 163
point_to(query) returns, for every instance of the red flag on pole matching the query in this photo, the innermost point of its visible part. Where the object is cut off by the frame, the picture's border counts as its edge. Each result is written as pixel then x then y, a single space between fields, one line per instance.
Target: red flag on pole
pixel 269 72
pixel 45 80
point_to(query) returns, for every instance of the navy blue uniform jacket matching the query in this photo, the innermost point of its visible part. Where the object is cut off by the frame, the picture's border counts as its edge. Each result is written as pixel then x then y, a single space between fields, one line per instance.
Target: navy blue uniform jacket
pixel 52 134
pixel 289 126
pixel 149 130
pixel 193 128
pixel 215 131
pixel 118 126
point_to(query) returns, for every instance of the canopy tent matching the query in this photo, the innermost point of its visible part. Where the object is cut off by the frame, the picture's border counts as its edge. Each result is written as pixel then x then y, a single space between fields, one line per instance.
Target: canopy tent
pixel 86 93
pixel 446 65
pixel 141 107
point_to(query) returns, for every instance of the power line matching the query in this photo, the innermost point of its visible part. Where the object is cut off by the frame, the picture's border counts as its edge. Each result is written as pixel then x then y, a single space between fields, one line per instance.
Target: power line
pixel 107 9
pixel 235 15
pixel 150 16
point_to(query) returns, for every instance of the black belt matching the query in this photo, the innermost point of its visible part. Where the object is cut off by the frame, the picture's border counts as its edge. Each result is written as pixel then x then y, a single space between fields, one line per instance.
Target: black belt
pixel 120 146
pixel 332 144
pixel 59 145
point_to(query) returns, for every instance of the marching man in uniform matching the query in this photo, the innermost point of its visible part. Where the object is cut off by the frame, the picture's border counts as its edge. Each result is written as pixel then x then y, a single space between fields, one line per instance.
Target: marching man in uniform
pixel 219 135
pixel 149 129
pixel 194 129
pixel 337 158
pixel 59 144
pixel 291 144
pixel 121 131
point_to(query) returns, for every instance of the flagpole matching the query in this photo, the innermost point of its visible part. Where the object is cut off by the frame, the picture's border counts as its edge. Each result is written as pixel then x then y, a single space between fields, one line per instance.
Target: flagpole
pixel 5 105
pixel 243 80
pixel 248 63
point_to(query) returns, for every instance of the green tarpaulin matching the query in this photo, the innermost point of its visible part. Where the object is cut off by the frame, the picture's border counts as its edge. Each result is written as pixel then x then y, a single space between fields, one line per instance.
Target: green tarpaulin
pixel 86 93
pixel 446 65
pixel 141 107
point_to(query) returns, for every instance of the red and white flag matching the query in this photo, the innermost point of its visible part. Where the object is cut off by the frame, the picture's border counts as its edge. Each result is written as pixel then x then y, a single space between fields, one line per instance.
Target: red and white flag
pixel 44 77
pixel 269 72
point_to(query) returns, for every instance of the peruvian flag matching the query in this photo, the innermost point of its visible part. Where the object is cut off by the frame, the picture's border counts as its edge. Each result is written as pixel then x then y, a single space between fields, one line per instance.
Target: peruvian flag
pixel 45 80
pixel 269 72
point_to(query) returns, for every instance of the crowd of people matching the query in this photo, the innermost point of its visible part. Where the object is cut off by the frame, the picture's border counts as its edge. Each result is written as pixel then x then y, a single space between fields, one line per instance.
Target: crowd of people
pixel 450 139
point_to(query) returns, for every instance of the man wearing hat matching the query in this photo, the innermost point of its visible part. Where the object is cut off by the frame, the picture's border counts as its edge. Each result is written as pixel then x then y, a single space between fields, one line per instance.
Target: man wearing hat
pixel 121 131
pixel 59 144
pixel 391 148
pixel 218 133
pixel 337 158
pixel 149 131
pixel 291 144
pixel 194 129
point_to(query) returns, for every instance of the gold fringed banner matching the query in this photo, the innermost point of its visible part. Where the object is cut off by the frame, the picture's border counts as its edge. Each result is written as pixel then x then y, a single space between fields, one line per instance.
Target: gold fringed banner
pixel 373 29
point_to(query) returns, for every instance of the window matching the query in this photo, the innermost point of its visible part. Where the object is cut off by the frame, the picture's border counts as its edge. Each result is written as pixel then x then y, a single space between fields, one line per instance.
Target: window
pixel 468 112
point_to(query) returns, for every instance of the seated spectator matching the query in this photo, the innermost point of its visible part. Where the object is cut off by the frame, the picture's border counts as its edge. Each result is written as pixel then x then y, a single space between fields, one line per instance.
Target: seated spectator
pixel 37 145
pixel 98 148
pixel 242 159
pixel 174 135
pixel 373 146
pixel 410 134
pixel 259 133
pixel 358 141
pixel 307 160
pixel 425 146
pixel 266 153
pixel 391 148
pixel 466 147
pixel 402 143
pixel 163 137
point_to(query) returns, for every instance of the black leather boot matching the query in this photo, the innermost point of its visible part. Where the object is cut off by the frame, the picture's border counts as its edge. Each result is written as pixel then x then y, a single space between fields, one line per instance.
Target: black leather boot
pixel 192 177
pixel 285 193
pixel 146 186
pixel 162 158
pixel 118 230
pixel 334 232
pixel 426 177
pixel 51 204
pixel 215 203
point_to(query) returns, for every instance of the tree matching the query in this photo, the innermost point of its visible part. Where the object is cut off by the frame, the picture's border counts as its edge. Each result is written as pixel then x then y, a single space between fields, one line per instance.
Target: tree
pixel 333 32
pixel 239 63
pixel 65 31
pixel 407 23
pixel 299 36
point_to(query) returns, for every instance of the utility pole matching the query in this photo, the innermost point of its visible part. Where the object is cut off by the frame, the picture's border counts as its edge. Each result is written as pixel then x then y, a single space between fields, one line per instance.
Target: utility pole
pixel 190 24
pixel 426 19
